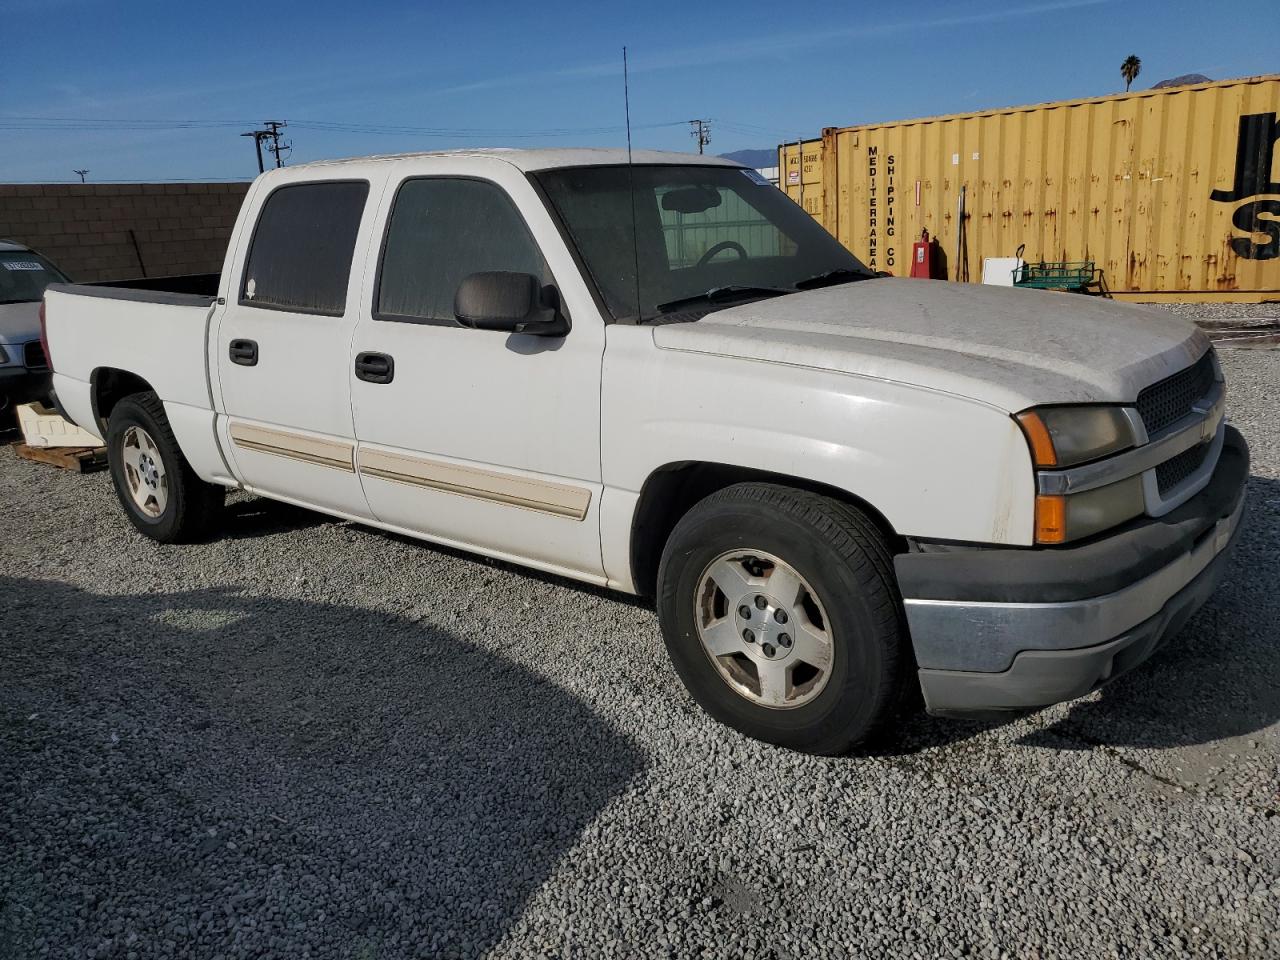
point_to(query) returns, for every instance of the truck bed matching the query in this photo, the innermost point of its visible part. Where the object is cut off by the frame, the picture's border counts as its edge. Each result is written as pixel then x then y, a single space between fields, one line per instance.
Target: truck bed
pixel 159 335
pixel 151 289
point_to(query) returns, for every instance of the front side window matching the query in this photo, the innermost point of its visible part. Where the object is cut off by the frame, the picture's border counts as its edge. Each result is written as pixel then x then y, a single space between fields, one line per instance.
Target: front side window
pixel 24 275
pixel 697 234
pixel 441 231
pixel 300 256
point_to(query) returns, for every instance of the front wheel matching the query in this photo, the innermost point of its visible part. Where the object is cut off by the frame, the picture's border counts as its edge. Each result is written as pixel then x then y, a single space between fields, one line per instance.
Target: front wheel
pixel 159 491
pixel 781 613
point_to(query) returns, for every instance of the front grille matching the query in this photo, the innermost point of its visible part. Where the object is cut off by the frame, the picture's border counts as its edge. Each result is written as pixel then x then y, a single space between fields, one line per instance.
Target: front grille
pixel 1165 403
pixel 1176 469
pixel 33 355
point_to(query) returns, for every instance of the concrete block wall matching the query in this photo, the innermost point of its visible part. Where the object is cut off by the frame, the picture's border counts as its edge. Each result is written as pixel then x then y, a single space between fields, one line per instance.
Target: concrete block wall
pixel 84 228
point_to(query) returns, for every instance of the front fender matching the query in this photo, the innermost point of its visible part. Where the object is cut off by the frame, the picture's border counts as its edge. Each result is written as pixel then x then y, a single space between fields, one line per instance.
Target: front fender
pixel 935 465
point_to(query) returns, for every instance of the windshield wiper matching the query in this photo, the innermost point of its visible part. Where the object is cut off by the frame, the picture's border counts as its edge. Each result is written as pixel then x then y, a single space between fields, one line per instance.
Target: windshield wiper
pixel 717 294
pixel 832 277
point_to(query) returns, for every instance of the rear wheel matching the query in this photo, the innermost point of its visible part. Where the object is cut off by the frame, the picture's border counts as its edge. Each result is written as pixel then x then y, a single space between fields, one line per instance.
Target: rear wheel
pixel 781 613
pixel 159 491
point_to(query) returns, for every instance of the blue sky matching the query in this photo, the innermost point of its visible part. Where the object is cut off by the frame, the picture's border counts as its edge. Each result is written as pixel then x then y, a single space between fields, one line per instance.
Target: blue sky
pixel 549 73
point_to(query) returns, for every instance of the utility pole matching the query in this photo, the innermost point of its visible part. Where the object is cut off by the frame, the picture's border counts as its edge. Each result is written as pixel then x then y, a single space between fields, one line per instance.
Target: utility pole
pixel 258 137
pixel 701 132
pixel 273 131
pixel 82 173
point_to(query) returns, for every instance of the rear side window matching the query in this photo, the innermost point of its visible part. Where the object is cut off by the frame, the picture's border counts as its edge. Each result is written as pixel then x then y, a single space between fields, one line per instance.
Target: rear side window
pixel 441 231
pixel 300 257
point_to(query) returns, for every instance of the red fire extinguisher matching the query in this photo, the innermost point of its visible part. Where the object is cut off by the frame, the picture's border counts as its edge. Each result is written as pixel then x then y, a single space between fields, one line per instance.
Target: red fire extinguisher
pixel 922 256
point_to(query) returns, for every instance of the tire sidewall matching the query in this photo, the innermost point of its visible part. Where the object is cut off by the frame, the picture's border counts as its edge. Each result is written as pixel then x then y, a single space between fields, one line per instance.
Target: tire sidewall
pixel 854 694
pixel 128 413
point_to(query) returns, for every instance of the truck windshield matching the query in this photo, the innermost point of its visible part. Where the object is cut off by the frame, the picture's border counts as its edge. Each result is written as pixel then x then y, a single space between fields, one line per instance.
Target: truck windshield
pixel 24 275
pixel 702 235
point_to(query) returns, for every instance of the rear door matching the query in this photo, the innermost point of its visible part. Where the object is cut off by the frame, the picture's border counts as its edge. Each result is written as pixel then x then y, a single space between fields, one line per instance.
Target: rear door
pixel 283 341
pixel 484 439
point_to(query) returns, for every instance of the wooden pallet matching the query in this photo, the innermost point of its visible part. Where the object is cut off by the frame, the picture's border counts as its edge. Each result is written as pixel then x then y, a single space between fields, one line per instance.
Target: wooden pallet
pixel 79 459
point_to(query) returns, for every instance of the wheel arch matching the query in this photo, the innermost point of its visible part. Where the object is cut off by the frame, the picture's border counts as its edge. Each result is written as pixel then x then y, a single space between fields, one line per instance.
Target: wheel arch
pixel 108 386
pixel 671 490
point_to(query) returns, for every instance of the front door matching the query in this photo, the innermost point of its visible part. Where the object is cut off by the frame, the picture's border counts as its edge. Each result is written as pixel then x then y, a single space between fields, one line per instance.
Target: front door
pixel 283 342
pixel 483 439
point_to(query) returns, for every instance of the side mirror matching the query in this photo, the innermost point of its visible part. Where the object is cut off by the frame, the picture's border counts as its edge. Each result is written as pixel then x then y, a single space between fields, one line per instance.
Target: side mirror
pixel 514 302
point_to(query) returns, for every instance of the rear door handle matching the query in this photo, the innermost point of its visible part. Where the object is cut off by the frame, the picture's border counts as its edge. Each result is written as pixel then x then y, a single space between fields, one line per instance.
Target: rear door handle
pixel 244 352
pixel 375 367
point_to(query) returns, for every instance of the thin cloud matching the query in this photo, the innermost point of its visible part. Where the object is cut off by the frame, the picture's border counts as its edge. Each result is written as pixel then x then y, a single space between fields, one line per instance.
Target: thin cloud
pixel 734 51
pixel 39 6
pixel 315 88
pixel 748 48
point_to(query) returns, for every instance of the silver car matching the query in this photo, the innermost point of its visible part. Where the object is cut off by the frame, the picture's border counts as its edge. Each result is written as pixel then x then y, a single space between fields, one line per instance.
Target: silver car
pixel 24 369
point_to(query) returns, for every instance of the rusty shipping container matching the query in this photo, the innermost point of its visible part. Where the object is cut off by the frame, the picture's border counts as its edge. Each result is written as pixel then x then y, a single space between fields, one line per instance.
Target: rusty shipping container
pixel 1174 194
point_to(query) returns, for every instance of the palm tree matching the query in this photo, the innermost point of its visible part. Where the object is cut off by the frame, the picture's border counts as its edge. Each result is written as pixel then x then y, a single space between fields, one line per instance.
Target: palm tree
pixel 1130 69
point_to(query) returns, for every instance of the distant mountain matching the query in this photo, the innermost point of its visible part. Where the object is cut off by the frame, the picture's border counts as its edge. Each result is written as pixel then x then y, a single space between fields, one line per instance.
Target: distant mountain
pixel 1183 81
pixel 753 158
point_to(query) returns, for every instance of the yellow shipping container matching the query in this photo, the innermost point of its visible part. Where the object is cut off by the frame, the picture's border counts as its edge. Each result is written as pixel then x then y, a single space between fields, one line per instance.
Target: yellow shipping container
pixel 1174 194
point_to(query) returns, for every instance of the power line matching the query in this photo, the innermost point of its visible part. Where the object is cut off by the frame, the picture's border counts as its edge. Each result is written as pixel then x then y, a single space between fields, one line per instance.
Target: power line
pixel 85 123
pixel 138 180
pixel 334 126
pixel 456 132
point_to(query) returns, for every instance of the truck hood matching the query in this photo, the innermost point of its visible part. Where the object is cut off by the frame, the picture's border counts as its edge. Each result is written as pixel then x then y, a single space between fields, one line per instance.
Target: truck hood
pixel 1009 348
pixel 19 322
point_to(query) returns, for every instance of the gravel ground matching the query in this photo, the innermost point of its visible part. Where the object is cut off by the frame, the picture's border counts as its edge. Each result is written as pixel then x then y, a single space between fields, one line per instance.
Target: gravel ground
pixel 309 739
pixel 1254 325
pixel 1219 312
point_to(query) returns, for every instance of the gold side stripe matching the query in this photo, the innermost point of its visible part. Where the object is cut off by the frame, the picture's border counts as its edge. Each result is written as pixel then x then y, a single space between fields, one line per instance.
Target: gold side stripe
pixel 542 496
pixel 295 446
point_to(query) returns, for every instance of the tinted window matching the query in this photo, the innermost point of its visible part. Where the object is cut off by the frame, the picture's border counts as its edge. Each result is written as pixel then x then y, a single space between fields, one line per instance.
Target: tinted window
pixel 442 231
pixel 696 231
pixel 24 275
pixel 300 258
pixel 730 226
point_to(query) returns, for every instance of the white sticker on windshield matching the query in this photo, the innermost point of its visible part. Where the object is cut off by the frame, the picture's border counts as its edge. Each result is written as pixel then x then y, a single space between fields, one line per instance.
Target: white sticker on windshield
pixel 757 178
pixel 22 265
pixel 250 288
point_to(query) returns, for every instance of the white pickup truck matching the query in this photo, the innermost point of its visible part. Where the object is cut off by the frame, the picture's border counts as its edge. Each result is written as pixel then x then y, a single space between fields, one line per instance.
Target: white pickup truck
pixel 665 378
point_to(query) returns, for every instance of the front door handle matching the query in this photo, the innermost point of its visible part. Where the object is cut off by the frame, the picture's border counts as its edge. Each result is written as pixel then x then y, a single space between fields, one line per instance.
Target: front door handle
pixel 375 367
pixel 244 352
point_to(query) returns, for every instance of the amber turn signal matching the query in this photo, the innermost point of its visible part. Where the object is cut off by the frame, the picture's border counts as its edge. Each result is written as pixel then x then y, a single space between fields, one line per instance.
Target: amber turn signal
pixel 1051 519
pixel 1042 450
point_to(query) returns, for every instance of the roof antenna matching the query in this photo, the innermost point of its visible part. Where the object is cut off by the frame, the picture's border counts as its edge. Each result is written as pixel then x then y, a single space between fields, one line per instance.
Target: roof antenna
pixel 631 180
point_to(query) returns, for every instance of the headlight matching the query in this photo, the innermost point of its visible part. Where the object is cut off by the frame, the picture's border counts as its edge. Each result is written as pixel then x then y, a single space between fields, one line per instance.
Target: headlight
pixel 1062 437
pixel 1065 436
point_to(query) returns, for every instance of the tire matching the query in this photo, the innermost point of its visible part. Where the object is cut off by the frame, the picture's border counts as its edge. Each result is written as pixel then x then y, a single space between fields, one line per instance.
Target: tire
pixel 846 593
pixel 160 493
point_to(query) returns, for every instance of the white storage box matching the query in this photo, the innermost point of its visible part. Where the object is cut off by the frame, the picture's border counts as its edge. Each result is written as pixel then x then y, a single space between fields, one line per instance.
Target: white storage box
pixel 42 427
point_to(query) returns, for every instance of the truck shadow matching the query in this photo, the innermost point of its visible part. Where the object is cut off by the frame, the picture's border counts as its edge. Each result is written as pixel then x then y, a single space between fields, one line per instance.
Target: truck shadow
pixel 246 517
pixel 265 777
